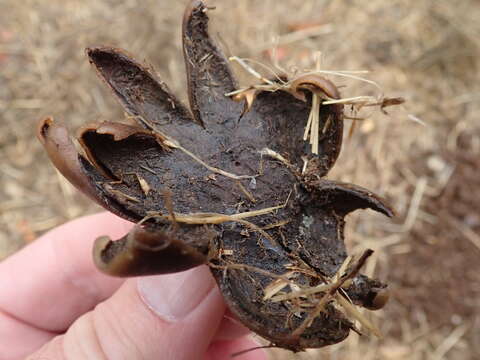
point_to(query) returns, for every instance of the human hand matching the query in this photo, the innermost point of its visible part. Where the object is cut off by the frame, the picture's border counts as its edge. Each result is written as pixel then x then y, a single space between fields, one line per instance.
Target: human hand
pixel 54 304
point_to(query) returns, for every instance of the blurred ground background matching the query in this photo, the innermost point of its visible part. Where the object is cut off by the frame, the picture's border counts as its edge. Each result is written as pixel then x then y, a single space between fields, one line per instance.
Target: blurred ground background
pixel 426 51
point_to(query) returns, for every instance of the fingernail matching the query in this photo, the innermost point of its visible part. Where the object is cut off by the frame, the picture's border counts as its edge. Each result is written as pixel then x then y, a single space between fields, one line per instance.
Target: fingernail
pixel 174 296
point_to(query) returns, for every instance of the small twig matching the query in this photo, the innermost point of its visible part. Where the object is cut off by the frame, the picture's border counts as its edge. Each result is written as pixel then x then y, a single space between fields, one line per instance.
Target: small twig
pixel 249 69
pixel 276 286
pixel 450 341
pixel 148 169
pixel 329 295
pixel 352 100
pixel 312 127
pixel 253 269
pixel 465 231
pixel 266 67
pixel 413 208
pixel 347 74
pixel 172 143
pixel 247 193
pixel 301 293
pixel 354 313
pixel 169 206
pixel 243 352
pixel 298 35
pixel 277 224
pixel 277 156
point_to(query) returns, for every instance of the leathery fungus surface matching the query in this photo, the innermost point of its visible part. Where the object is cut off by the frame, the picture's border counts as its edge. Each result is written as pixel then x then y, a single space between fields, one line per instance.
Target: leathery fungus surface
pixel 230 183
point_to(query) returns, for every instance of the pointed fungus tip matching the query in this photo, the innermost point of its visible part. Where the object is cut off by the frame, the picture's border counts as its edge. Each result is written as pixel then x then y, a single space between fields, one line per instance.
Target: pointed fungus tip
pixel 145 252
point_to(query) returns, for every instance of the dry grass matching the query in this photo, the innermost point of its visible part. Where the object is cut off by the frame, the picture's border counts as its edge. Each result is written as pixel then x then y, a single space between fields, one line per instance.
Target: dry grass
pixel 425 51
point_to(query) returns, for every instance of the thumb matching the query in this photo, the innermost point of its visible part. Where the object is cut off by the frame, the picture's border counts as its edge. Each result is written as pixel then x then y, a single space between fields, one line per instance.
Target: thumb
pixel 158 317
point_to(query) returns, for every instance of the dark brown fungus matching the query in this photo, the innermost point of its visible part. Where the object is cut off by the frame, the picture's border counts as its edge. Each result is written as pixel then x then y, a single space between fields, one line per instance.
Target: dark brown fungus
pixel 314 83
pixel 64 156
pixel 378 300
pixel 153 251
pixel 238 190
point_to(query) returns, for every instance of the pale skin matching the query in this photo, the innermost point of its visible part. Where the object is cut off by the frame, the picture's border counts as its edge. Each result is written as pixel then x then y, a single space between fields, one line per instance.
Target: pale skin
pixel 55 305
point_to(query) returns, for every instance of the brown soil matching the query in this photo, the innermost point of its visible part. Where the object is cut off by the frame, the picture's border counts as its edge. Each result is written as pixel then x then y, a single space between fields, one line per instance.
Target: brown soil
pixel 440 276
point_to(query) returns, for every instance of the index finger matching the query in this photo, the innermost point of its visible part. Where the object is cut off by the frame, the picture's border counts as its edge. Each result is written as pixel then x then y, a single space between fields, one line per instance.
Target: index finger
pixel 53 281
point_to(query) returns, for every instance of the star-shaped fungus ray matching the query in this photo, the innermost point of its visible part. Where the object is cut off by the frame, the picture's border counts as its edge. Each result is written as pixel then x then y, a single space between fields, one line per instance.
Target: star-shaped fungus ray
pixel 232 186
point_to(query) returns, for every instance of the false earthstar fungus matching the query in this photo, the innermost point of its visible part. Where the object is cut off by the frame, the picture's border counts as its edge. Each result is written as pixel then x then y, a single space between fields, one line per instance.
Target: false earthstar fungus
pixel 237 190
